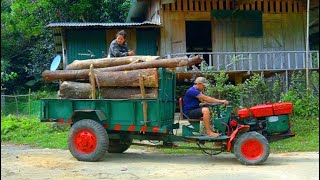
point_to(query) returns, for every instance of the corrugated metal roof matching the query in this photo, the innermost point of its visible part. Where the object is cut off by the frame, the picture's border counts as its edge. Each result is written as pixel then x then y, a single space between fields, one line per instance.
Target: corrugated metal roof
pixel 93 24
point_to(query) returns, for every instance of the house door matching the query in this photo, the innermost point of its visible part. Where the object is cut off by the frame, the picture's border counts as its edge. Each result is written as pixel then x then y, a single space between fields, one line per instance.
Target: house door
pixel 198 37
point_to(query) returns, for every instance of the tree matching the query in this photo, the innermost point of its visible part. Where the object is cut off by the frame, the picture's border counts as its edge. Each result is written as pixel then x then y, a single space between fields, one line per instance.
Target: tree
pixel 27 45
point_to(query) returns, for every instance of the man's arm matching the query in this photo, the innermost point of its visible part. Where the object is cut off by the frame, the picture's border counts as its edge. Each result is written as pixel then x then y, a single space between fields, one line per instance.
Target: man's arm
pixel 210 99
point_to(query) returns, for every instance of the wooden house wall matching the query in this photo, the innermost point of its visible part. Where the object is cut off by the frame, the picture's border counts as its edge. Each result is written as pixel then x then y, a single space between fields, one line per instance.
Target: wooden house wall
pixel 283 24
pixel 153 14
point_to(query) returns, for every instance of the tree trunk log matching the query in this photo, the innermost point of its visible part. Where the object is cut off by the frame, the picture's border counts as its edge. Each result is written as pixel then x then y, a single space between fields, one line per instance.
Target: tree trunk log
pixel 77 90
pixel 128 78
pixel 108 62
pixel 83 74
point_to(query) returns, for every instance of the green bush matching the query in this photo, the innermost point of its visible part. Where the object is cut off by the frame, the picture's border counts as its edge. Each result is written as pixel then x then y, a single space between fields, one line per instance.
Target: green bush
pixel 221 89
pixel 254 91
pixel 305 104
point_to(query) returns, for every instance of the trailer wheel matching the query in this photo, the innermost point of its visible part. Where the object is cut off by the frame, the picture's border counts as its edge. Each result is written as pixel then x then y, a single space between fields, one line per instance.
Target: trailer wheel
pixel 119 146
pixel 251 148
pixel 88 140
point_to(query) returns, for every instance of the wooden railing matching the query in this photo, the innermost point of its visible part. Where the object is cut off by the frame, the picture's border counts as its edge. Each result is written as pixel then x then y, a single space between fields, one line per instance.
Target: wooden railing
pixel 255 61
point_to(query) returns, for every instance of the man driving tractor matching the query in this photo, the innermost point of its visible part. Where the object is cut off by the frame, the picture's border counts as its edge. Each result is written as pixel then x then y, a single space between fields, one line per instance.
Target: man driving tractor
pixel 191 102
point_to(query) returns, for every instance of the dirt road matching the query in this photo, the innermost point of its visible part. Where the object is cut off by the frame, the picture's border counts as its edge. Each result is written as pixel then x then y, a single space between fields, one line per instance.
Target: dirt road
pixel 24 162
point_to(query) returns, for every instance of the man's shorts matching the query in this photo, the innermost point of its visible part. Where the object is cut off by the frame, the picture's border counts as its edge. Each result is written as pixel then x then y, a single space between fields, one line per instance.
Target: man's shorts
pixel 195 113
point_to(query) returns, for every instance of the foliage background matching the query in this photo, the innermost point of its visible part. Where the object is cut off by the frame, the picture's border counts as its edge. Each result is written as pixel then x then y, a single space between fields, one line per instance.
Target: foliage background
pixel 26 43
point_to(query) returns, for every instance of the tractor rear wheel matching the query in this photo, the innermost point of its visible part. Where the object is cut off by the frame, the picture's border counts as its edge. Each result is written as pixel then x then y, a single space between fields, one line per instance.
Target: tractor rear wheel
pixel 251 148
pixel 88 140
pixel 119 145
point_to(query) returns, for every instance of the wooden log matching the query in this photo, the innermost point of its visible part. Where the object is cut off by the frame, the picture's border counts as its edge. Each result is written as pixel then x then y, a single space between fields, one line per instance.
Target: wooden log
pixel 83 73
pixel 128 78
pixel 76 90
pixel 108 62
pixel 79 90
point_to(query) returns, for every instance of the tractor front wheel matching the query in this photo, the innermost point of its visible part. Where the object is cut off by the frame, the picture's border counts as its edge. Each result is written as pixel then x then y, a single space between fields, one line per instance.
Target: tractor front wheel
pixel 88 140
pixel 251 148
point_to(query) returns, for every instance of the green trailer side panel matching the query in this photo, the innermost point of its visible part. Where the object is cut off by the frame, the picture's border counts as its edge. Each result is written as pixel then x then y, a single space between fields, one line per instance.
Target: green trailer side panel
pixel 167 89
pixel 85 44
pixel 147 41
pixel 124 112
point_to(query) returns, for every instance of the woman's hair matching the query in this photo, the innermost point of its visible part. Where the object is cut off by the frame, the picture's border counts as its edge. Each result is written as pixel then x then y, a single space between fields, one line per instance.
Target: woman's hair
pixel 122 33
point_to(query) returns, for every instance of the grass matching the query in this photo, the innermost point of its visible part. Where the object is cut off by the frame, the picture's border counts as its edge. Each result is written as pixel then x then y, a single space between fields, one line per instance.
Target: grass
pixel 29 130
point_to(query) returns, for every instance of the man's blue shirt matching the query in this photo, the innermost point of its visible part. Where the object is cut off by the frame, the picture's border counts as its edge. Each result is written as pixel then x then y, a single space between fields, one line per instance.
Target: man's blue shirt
pixel 190 100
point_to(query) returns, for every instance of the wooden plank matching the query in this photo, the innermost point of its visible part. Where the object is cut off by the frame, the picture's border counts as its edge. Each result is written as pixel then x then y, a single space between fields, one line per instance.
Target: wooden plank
pixel 143 95
pixel 173 6
pixel 277 6
pixel 208 5
pixel 259 5
pixel 284 6
pixel 221 5
pixel 241 7
pixel 178 40
pixel 301 9
pixel 202 8
pixel 191 8
pixel 185 5
pixel 92 82
pixel 248 6
pixel 271 4
pixel 197 16
pixel 289 6
pixel 178 5
pixel 214 4
pixel 196 5
pixel 227 4
pixel 295 6
pixel 167 7
pixel 265 6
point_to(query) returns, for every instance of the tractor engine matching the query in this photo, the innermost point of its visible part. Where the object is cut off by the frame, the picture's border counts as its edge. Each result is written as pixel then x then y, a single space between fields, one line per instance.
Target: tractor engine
pixel 268 118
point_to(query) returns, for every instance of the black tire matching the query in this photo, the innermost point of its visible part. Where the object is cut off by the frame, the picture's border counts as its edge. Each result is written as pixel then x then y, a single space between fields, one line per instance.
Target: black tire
pixel 88 140
pixel 251 148
pixel 119 146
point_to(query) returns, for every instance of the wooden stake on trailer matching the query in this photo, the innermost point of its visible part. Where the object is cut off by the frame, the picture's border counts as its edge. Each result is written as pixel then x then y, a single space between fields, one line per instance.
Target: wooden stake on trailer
pixel 92 82
pixel 144 103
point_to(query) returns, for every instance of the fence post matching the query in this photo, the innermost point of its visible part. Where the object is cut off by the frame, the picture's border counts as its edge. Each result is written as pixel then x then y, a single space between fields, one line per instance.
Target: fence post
pixel 29 102
pixel 3 99
pixel 17 107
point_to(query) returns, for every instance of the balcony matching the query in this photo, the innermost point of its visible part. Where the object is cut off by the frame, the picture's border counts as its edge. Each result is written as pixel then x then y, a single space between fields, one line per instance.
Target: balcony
pixel 271 61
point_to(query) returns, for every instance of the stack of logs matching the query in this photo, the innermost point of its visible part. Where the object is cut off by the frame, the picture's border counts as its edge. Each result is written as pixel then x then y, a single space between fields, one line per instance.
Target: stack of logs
pixel 114 78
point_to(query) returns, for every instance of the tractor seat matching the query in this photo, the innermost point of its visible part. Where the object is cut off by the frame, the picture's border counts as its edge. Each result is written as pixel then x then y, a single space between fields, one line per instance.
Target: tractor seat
pixel 183 116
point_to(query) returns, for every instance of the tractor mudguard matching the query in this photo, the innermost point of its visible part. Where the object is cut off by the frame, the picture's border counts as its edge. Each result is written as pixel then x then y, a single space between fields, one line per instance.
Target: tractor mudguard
pixel 235 132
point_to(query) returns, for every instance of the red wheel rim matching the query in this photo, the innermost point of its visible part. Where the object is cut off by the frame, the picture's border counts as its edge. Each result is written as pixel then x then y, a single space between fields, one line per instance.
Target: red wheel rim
pixel 252 149
pixel 85 141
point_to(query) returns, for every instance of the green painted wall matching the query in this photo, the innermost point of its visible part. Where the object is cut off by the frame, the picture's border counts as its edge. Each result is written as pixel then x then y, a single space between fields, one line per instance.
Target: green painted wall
pixel 147 41
pixel 85 44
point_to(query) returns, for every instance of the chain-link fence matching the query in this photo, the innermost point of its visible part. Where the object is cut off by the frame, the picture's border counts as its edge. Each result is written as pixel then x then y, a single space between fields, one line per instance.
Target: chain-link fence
pixel 20 105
